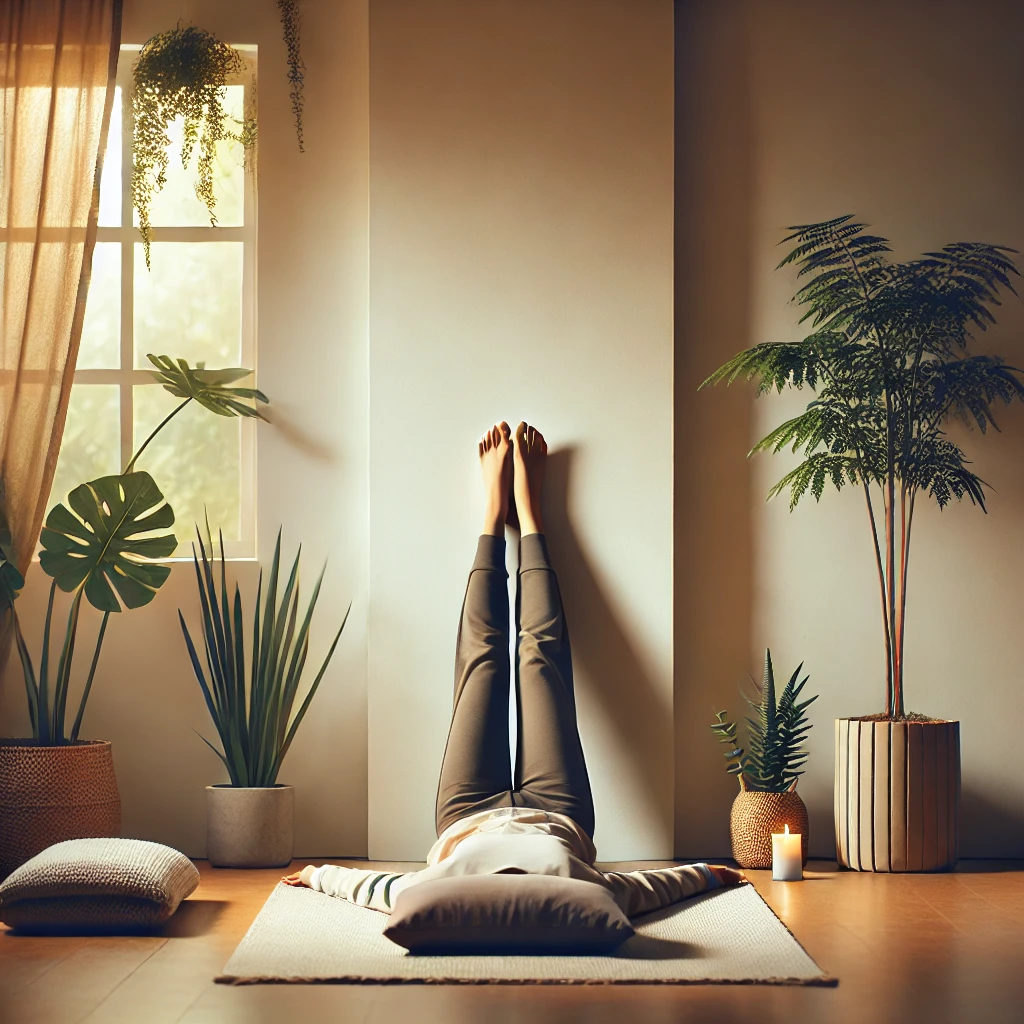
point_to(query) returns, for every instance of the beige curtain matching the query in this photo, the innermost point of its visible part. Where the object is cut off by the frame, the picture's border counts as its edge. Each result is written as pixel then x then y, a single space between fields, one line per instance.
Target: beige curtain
pixel 58 59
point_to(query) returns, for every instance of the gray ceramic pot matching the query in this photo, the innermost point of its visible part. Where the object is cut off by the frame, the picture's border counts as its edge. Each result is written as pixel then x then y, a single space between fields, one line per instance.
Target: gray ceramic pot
pixel 249 828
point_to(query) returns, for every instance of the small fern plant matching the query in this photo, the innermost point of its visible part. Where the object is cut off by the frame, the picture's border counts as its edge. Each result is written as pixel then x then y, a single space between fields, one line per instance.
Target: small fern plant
pixel 776 733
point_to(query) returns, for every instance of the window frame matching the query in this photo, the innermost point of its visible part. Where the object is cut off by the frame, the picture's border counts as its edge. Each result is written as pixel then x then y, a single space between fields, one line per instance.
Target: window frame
pixel 127 376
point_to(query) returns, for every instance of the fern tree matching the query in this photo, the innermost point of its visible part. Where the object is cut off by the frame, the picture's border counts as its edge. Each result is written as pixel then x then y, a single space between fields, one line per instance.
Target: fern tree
pixel 888 360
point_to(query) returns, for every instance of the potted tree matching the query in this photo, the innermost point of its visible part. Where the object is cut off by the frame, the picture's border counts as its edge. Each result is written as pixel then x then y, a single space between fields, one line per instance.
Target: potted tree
pixel 769 770
pixel 249 820
pixel 889 363
pixel 103 549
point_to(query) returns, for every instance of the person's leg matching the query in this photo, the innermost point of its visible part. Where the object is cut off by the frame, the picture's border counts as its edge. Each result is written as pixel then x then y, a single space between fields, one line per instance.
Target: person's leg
pixel 476 773
pixel 551 772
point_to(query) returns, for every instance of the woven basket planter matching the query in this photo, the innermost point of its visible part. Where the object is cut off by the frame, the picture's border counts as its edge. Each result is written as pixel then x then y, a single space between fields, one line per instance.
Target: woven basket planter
pixel 897 795
pixel 756 815
pixel 49 794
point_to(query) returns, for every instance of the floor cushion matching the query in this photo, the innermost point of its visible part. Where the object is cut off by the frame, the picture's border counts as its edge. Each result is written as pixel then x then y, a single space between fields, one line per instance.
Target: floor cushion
pixel 507 913
pixel 96 886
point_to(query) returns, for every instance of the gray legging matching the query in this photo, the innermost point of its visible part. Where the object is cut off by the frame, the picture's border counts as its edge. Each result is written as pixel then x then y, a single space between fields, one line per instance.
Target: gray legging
pixel 551 773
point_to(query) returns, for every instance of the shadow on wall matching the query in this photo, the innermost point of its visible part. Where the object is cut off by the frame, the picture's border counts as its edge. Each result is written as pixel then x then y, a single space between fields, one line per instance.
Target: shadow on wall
pixel 988 829
pixel 603 651
pixel 714 584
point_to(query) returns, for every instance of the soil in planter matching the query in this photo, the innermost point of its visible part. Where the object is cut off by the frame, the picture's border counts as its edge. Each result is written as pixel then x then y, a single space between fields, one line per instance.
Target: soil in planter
pixel 910 716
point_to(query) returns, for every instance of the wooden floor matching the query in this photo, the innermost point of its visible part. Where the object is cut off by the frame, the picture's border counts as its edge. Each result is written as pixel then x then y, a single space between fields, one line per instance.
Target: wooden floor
pixel 911 948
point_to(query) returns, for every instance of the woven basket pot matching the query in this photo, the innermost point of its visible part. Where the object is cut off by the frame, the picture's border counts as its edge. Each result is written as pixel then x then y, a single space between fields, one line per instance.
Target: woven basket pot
pixel 897 795
pixel 756 815
pixel 49 794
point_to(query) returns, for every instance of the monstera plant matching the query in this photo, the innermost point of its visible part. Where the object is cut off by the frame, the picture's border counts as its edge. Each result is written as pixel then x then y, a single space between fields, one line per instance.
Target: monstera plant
pixel 102 547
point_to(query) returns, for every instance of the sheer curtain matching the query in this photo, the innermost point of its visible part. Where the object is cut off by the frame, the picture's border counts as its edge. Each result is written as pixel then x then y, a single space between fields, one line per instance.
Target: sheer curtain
pixel 58 59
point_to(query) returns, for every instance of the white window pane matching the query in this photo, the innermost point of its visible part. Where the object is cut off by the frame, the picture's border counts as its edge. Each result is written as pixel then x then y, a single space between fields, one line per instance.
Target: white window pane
pixel 177 205
pixel 195 460
pixel 101 330
pixel 91 445
pixel 189 306
pixel 110 183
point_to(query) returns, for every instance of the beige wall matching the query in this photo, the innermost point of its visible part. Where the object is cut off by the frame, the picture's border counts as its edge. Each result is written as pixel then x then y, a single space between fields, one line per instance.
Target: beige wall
pixel 907 115
pixel 521 267
pixel 312 346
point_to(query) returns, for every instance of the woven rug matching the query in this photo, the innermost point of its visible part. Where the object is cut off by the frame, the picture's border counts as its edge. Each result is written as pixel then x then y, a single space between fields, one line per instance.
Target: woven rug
pixel 727 936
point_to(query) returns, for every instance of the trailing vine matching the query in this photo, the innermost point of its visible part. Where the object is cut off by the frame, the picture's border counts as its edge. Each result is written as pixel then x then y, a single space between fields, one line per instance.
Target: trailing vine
pixel 291 20
pixel 181 73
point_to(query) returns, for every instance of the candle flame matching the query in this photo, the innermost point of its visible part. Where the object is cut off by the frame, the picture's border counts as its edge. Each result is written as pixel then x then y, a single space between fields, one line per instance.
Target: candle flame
pixel 786 827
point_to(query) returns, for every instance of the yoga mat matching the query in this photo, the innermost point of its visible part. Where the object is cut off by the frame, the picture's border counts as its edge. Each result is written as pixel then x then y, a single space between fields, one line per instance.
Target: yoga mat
pixel 726 936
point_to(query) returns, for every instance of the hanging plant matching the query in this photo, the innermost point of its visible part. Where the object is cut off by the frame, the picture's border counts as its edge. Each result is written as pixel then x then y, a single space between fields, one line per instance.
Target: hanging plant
pixel 182 73
pixel 291 18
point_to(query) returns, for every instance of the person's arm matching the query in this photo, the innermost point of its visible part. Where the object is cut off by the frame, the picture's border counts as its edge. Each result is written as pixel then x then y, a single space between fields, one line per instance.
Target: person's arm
pixel 377 890
pixel 641 892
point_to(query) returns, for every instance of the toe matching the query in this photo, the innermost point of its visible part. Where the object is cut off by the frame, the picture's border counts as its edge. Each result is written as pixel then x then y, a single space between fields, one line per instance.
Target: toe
pixel 521 433
pixel 505 430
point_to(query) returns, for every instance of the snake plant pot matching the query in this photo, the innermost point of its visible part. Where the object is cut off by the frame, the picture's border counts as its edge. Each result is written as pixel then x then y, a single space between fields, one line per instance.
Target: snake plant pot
pixel 756 815
pixel 897 795
pixel 49 794
pixel 249 827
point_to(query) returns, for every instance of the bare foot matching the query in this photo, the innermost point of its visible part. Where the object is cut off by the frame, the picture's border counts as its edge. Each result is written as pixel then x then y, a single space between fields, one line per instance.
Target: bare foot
pixel 530 458
pixel 496 466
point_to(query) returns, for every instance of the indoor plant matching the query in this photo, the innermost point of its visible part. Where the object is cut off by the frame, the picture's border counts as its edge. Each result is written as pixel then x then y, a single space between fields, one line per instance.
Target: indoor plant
pixel 249 820
pixel 104 550
pixel 181 73
pixel 889 363
pixel 768 772
pixel 291 25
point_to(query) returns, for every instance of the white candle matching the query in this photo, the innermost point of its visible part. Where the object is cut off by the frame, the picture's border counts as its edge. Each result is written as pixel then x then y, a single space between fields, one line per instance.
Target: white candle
pixel 787 856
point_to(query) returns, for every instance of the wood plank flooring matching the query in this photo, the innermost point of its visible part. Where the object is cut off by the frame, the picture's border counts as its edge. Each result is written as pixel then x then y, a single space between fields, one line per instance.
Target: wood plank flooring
pixel 906 948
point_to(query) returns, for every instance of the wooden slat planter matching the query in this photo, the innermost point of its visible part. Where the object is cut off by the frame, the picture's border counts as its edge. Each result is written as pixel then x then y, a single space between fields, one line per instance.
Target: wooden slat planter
pixel 897 795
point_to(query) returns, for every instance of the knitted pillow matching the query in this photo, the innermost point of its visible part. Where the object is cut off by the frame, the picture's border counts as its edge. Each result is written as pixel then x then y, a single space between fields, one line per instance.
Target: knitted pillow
pixel 97 885
pixel 507 913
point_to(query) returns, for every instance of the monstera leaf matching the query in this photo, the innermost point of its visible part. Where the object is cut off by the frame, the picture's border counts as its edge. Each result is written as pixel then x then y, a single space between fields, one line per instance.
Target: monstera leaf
pixel 11 580
pixel 207 387
pixel 97 542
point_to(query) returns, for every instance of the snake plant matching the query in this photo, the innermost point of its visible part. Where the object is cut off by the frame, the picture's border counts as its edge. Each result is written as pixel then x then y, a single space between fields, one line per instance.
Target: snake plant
pixel 251 707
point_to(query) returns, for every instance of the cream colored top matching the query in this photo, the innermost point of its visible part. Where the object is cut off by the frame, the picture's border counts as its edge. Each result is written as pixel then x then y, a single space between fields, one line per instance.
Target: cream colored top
pixel 510 822
pixel 515 840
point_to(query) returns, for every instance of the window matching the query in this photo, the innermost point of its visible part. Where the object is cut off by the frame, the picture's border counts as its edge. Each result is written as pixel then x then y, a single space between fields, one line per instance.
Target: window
pixel 197 303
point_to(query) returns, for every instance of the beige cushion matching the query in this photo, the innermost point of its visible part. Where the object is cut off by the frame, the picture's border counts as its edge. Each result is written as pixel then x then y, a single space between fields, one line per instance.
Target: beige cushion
pixel 507 913
pixel 97 885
